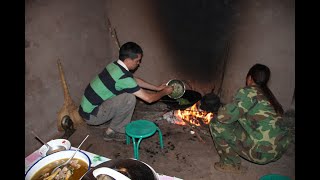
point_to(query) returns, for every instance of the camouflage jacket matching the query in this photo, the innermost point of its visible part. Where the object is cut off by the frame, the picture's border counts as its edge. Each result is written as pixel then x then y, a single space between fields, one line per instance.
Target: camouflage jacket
pixel 262 125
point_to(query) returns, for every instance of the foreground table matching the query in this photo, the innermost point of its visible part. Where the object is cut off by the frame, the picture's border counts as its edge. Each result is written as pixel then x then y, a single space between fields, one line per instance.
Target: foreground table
pixel 94 158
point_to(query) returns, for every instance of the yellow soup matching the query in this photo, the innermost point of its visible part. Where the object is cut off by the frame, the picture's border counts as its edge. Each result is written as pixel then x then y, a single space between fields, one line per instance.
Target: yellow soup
pixel 76 171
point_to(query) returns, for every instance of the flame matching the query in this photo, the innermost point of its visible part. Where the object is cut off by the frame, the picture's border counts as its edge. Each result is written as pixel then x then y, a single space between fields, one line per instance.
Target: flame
pixel 193 115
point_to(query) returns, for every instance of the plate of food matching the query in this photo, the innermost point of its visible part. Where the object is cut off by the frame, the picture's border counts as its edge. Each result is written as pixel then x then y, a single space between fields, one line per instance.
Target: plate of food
pixel 178 88
pixel 78 166
pixel 55 145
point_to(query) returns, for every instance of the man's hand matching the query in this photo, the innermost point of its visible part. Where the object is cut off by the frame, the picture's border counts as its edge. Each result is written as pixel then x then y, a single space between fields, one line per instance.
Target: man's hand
pixel 168 89
pixel 151 96
pixel 162 86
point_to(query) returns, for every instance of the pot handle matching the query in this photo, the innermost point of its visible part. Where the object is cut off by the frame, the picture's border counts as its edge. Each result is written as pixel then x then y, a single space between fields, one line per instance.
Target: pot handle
pixel 110 172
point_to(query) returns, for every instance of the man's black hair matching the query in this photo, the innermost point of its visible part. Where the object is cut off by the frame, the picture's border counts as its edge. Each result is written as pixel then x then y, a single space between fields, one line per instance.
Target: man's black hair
pixel 129 50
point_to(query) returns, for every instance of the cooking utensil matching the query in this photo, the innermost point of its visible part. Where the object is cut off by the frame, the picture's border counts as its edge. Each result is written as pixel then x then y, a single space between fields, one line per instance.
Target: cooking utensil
pixel 132 168
pixel 51 149
pixel 190 95
pixel 210 102
pixel 178 88
pixel 63 164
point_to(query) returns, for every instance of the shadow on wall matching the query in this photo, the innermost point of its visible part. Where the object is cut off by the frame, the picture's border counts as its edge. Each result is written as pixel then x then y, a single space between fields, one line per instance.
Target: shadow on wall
pixel 198 31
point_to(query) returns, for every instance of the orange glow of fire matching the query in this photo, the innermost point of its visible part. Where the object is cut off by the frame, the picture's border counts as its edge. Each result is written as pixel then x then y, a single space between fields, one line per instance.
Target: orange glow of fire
pixel 193 116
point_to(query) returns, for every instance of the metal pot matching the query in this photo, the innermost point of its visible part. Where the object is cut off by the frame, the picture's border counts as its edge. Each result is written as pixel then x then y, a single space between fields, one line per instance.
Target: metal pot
pixel 190 95
pixel 132 168
pixel 210 102
pixel 178 88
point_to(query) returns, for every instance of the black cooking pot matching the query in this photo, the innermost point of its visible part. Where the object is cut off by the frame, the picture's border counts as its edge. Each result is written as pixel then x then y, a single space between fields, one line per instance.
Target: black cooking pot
pixel 132 168
pixel 190 95
pixel 210 102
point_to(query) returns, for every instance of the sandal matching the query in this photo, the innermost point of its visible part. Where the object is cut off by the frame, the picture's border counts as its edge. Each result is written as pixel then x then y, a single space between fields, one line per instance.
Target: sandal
pixel 230 168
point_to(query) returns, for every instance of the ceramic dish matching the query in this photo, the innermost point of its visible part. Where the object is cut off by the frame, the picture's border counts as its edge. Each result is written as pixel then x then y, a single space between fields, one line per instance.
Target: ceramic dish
pixel 40 165
pixel 54 143
pixel 178 88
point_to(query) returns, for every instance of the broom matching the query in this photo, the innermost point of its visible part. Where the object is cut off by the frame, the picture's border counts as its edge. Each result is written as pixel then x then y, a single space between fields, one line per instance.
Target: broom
pixel 69 108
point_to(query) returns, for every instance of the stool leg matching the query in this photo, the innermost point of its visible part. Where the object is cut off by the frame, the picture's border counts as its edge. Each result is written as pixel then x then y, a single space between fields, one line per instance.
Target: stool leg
pixel 127 139
pixel 160 138
pixel 137 152
pixel 134 147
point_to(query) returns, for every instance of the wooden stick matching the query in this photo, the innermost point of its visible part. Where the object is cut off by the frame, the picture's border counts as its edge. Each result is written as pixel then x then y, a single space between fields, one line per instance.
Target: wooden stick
pixel 195 132
pixel 113 33
pixel 67 98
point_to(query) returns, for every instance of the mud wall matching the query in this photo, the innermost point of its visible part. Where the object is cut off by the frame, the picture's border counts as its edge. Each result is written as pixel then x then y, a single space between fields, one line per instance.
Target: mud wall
pixel 264 33
pixel 185 40
pixel 73 31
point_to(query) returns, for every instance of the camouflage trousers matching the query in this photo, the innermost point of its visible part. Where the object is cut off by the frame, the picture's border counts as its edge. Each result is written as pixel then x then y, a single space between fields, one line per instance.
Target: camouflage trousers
pixel 232 143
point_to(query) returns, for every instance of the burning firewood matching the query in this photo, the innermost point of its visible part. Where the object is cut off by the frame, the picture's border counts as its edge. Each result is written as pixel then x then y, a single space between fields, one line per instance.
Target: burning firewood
pixel 69 108
pixel 171 117
pixel 194 117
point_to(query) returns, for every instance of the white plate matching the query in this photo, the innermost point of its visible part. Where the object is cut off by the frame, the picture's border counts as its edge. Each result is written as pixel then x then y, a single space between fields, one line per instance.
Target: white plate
pixel 55 142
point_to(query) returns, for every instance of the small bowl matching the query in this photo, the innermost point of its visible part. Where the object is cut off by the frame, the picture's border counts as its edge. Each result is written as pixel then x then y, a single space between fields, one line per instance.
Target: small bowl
pixel 55 143
pixel 55 157
pixel 178 88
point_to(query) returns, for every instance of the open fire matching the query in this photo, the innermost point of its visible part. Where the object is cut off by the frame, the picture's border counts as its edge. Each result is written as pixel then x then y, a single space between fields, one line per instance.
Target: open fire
pixel 194 115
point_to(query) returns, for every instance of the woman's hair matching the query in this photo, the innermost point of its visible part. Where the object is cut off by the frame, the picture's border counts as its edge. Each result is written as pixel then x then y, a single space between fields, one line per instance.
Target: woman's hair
pixel 129 50
pixel 260 74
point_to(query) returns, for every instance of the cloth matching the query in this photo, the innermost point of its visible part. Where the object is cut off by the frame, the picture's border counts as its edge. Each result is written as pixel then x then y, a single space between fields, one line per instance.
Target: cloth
pixel 118 109
pixel 112 81
pixel 249 127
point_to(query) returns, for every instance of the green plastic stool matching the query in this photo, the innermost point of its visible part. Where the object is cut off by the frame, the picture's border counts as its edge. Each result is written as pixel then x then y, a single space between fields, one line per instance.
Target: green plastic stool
pixel 140 129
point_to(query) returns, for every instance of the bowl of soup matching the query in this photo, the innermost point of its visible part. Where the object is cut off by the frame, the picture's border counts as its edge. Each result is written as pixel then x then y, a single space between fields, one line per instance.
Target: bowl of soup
pixel 76 168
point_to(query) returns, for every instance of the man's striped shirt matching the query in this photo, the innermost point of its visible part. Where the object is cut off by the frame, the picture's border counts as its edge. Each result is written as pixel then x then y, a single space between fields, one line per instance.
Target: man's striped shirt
pixel 112 81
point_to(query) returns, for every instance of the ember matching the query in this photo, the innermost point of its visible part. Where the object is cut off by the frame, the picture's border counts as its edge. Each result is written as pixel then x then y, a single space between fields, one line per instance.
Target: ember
pixel 194 115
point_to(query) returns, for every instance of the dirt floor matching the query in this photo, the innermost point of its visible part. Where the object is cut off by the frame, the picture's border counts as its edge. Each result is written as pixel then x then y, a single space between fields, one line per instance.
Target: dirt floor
pixel 184 155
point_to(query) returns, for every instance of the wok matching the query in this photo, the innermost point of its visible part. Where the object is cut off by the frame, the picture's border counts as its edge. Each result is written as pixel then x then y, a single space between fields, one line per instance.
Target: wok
pixel 134 169
pixel 190 95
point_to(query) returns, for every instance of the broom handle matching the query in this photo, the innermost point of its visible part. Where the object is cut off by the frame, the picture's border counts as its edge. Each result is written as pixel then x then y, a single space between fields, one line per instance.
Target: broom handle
pixel 66 94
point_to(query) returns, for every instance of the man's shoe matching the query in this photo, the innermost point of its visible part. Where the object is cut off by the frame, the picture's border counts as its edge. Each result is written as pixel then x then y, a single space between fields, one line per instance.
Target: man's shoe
pixel 116 136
